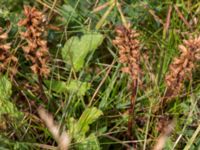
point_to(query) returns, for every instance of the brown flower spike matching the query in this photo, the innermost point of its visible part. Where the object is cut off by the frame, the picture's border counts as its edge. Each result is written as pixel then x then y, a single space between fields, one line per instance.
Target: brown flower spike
pixel 180 70
pixel 128 50
pixel 8 62
pixel 130 56
pixel 36 49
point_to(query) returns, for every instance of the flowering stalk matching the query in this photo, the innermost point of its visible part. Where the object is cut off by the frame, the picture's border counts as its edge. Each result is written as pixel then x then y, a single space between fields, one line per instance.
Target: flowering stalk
pixel 180 70
pixel 36 50
pixel 129 55
pixel 8 62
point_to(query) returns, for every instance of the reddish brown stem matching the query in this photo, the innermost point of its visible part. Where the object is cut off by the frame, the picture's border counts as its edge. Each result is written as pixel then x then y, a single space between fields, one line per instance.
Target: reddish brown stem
pixel 182 17
pixel 131 109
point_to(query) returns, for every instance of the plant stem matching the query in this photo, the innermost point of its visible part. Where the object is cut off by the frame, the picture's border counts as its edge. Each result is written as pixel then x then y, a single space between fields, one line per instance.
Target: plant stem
pixel 42 92
pixel 131 109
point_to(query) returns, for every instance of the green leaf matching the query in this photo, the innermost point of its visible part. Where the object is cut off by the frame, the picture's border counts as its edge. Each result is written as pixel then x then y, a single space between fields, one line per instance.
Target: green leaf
pixel 6 106
pixel 76 49
pixel 56 86
pixel 68 11
pixel 5 88
pixel 76 86
pixel 78 129
pixel 91 142
pixel 89 116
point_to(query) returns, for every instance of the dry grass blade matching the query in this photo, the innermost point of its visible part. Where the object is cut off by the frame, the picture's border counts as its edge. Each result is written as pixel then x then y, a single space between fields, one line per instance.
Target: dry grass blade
pixel 182 17
pixel 161 141
pixel 168 19
pixel 104 79
pixel 191 141
pixel 153 13
pixel 62 138
pixel 99 8
pixel 103 18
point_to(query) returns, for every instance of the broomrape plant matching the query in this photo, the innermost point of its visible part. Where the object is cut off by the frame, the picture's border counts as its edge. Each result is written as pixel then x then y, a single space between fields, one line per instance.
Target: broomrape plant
pixel 8 62
pixel 36 49
pixel 180 70
pixel 129 55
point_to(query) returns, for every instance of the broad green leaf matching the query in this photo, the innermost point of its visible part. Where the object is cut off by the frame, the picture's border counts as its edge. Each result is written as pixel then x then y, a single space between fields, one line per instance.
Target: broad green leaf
pixel 6 106
pixel 76 49
pixel 76 86
pixel 68 11
pixel 5 88
pixel 56 86
pixel 91 142
pixel 78 129
pixel 89 116
pixel 73 130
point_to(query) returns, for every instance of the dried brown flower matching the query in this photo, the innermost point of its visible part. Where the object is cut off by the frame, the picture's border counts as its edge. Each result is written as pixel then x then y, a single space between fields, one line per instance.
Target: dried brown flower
pixel 36 49
pixel 129 55
pixel 181 68
pixel 8 62
pixel 128 50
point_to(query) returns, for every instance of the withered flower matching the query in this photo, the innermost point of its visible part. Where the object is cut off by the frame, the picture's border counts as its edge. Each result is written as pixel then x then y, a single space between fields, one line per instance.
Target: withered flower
pixel 180 70
pixel 8 62
pixel 181 67
pixel 129 55
pixel 36 49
